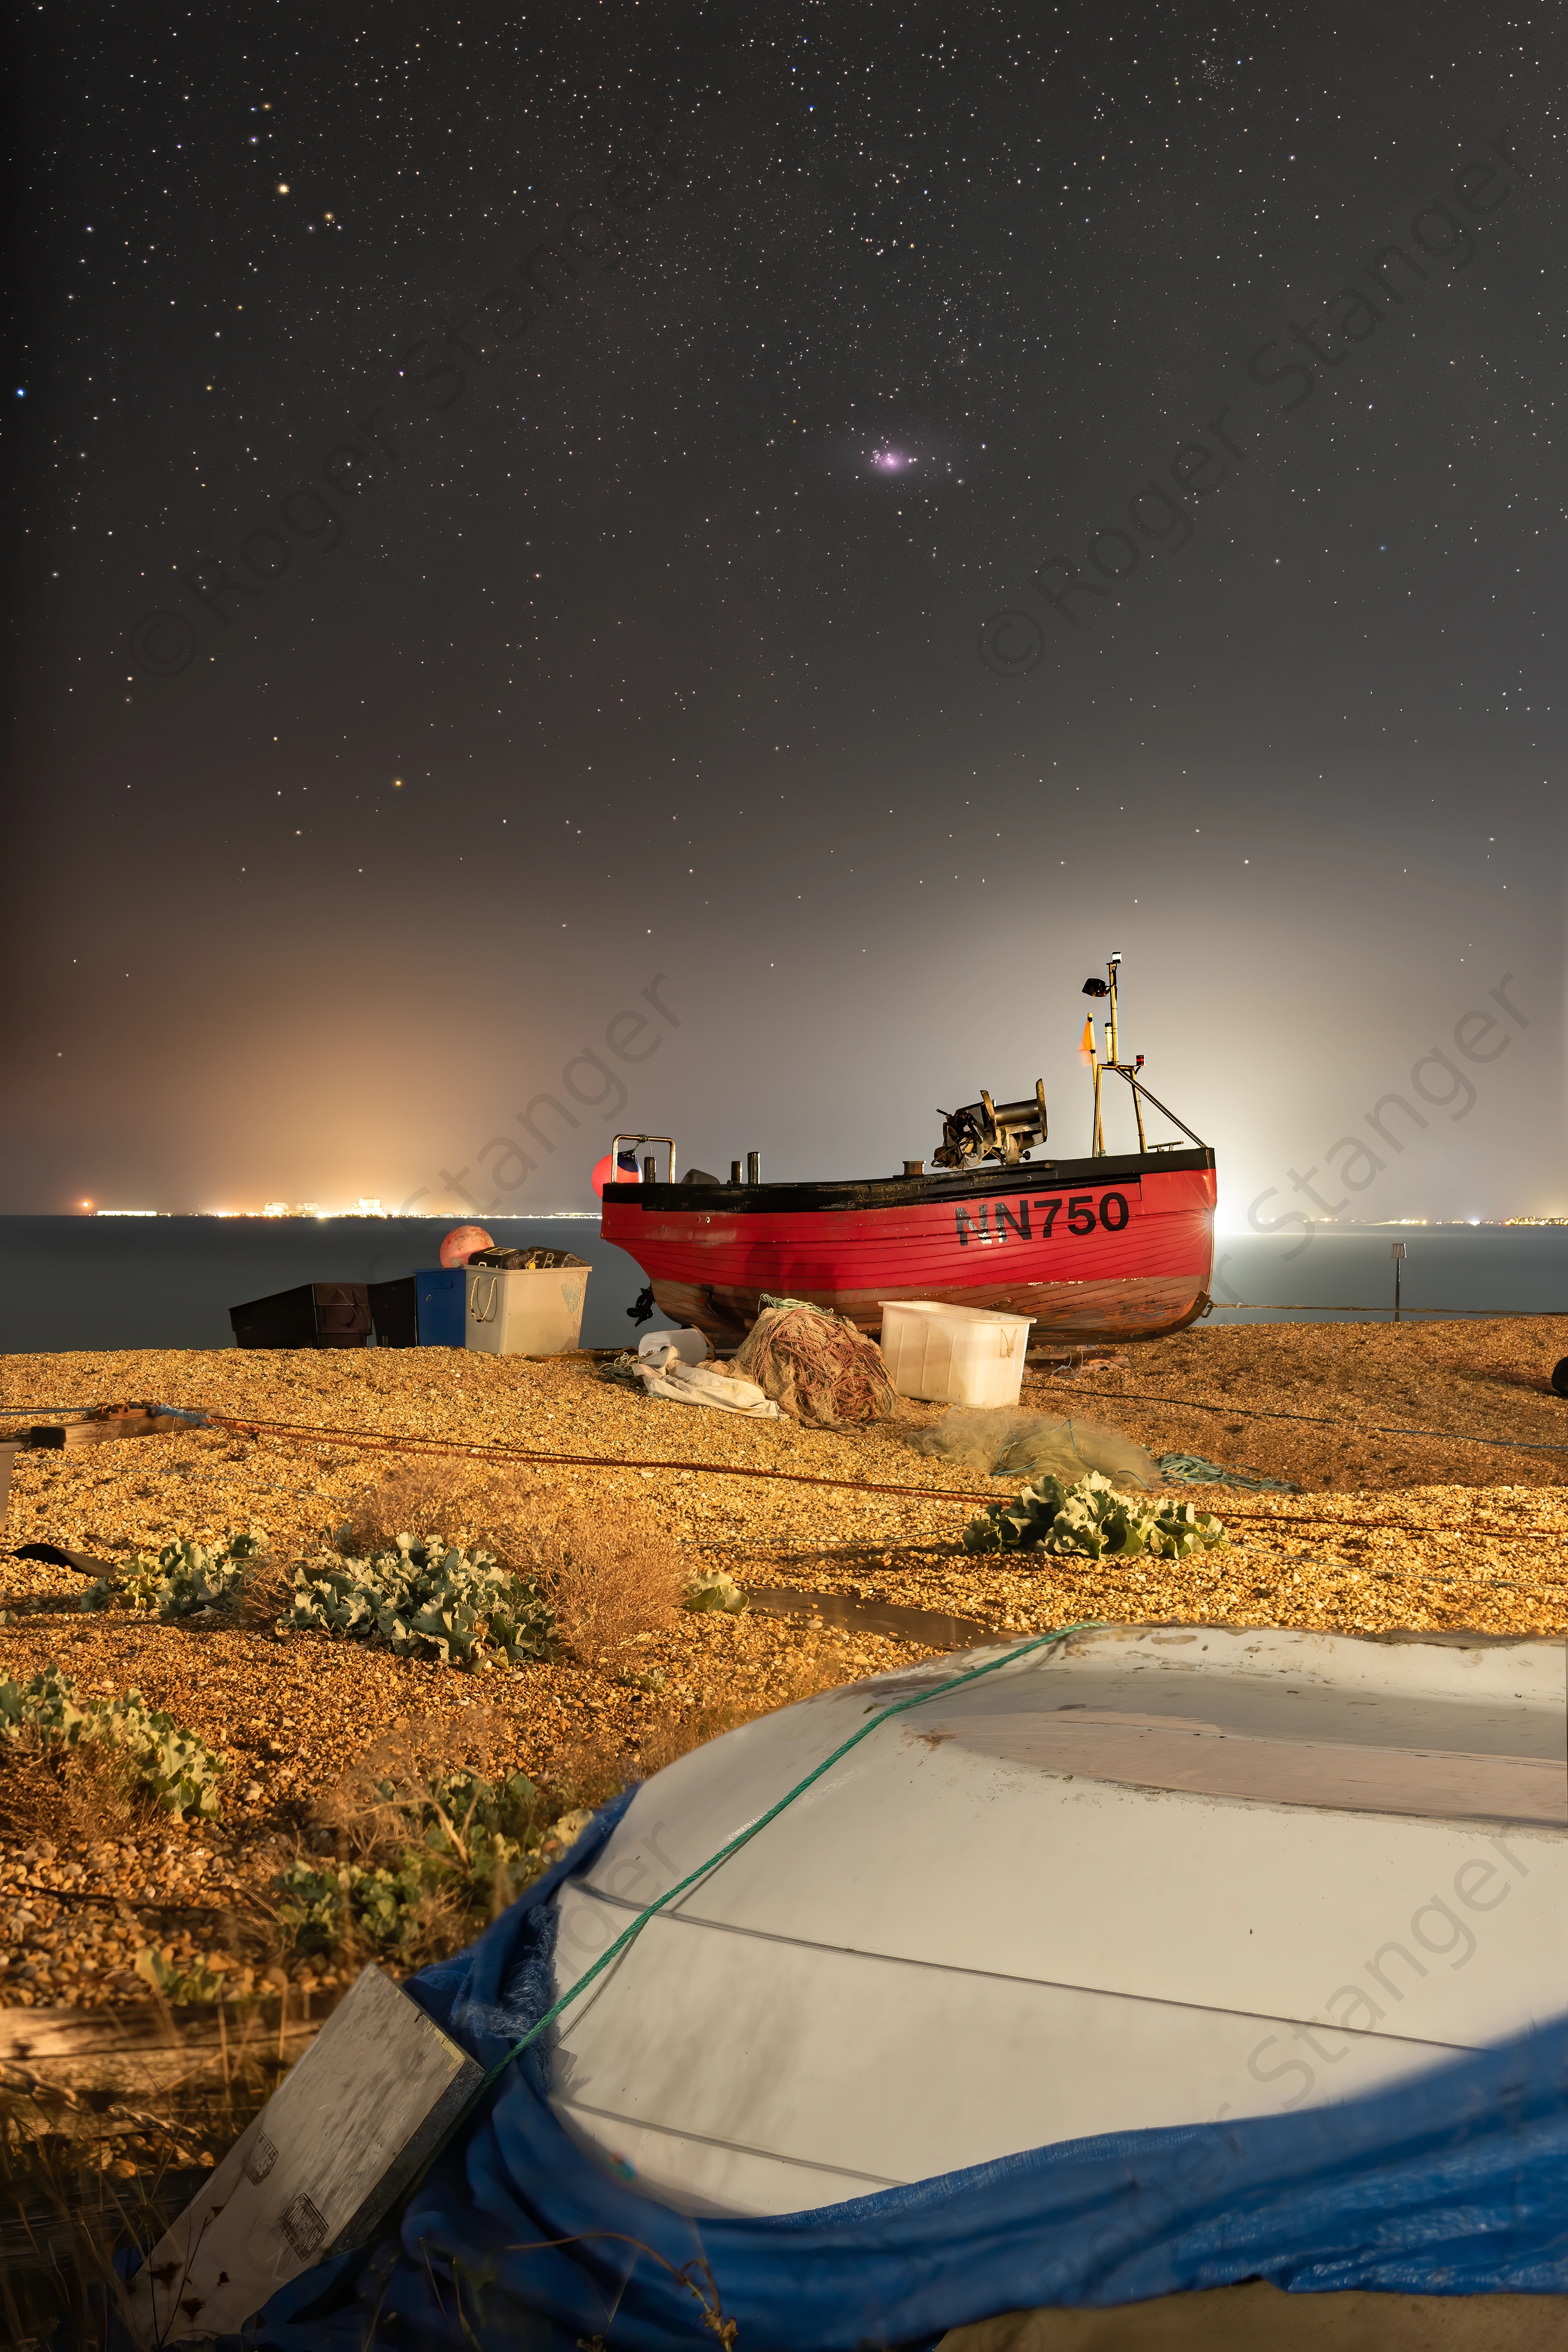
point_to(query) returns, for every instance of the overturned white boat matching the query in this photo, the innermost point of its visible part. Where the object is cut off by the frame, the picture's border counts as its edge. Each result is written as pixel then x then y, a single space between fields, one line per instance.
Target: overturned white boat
pixel 1147 1875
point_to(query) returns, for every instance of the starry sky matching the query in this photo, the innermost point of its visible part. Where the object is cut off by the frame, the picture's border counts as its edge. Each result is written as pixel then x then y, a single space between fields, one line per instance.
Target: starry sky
pixel 710 564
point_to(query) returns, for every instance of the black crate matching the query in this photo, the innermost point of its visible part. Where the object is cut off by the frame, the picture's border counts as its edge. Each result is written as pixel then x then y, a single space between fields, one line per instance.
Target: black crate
pixel 395 1311
pixel 311 1315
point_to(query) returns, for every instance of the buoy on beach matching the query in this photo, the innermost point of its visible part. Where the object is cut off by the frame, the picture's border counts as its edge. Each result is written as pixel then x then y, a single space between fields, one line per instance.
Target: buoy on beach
pixel 462 1243
pixel 607 1172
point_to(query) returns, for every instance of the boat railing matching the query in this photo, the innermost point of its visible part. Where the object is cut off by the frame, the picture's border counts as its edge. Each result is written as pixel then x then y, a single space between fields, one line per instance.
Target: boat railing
pixel 650 1163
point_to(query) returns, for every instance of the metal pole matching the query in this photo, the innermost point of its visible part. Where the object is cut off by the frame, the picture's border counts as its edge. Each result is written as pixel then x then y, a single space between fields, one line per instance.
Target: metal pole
pixel 1397 1251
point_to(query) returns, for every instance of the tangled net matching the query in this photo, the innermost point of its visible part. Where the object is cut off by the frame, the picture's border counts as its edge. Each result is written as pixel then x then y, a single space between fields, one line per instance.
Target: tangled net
pixel 816 1366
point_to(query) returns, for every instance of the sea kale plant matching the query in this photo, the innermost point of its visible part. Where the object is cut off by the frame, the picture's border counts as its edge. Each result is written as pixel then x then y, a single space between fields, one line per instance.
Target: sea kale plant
pixel 1093 1521
pixel 426 1599
pixel 169 1762
pixel 183 1577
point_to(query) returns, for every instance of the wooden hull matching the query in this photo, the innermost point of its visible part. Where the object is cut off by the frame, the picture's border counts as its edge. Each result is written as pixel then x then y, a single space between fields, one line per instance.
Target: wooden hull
pixel 1092 1249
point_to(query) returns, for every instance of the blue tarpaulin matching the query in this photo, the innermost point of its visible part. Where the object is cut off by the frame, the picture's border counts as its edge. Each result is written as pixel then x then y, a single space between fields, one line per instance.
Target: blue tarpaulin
pixel 1453 2182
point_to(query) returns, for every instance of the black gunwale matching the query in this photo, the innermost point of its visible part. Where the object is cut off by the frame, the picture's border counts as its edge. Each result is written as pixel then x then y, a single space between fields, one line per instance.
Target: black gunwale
pixel 826 1194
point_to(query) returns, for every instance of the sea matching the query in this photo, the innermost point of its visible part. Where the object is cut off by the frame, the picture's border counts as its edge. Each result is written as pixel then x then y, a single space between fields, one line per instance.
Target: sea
pixel 83 1282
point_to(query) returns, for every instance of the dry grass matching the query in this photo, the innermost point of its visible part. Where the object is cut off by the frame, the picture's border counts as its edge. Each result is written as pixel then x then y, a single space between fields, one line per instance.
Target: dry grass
pixel 491 1505
pixel 76 1796
pixel 93 2161
pixel 267 1593
pixel 609 1574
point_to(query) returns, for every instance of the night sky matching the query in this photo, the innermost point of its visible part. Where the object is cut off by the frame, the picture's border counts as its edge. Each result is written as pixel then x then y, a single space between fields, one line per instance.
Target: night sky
pixel 711 563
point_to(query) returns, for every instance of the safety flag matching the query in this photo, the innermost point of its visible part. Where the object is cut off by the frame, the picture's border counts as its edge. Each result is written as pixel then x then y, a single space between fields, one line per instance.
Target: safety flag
pixel 1086 1043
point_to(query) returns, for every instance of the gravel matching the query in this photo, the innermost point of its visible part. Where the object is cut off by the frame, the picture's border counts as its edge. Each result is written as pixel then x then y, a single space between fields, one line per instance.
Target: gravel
pixel 1390 1533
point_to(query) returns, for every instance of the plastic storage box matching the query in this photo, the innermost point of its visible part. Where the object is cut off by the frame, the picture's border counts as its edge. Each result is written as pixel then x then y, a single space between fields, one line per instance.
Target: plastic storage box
pixel 442 1295
pixel 954 1355
pixel 525 1310
pixel 311 1315
pixel 395 1311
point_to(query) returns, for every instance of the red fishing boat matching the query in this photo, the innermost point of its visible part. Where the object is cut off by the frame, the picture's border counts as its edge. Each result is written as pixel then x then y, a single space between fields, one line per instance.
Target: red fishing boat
pixel 1116 1245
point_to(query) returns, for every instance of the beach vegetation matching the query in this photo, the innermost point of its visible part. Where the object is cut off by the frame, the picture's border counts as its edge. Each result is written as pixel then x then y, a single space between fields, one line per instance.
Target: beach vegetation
pixel 161 1758
pixel 1093 1521
pixel 180 1580
pixel 423 1597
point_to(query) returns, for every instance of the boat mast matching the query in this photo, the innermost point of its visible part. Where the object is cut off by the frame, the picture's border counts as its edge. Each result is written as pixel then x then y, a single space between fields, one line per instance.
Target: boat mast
pixel 1111 1060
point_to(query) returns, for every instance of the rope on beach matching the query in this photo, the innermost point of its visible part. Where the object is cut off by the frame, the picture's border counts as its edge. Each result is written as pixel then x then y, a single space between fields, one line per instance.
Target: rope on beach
pixel 1396 1528
pixel 392 1443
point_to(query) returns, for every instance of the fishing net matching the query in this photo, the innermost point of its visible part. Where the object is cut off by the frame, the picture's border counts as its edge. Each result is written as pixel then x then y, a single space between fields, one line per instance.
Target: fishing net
pixel 816 1366
pixel 1008 1443
pixel 1197 1470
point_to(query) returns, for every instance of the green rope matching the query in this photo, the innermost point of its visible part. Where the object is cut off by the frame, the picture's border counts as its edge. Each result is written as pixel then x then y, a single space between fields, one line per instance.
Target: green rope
pixel 883 1715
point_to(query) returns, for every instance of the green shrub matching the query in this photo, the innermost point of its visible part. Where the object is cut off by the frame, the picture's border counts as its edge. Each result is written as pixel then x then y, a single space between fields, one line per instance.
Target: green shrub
pixel 1091 1520
pixel 482 1832
pixel 183 1578
pixel 180 1987
pixel 426 1599
pixel 320 1903
pixel 170 1763
pixel 40 1712
pixel 468 1838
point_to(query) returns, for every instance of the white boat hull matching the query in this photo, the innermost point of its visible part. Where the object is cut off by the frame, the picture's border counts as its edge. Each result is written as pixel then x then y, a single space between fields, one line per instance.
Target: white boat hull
pixel 1150 1876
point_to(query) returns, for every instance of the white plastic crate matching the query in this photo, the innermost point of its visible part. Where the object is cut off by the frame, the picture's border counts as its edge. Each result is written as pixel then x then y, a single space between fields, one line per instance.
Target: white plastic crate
pixel 954 1355
pixel 526 1311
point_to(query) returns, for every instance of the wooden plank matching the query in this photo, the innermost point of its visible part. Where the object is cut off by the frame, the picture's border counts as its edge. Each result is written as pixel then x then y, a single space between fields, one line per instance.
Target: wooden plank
pixel 34 2036
pixel 334 2148
pixel 107 1422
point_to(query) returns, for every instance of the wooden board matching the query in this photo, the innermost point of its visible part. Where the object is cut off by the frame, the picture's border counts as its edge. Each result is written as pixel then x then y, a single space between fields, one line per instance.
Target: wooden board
pixel 108 1423
pixel 337 2144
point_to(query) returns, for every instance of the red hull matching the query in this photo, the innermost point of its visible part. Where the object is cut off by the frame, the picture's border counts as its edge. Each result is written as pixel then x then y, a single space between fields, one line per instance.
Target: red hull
pixel 1095 1249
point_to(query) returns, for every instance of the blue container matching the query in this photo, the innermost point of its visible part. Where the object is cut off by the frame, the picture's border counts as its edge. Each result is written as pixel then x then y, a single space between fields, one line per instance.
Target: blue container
pixel 443 1297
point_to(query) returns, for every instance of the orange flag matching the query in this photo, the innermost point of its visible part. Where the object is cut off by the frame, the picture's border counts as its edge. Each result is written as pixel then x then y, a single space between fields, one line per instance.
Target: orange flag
pixel 1086 1043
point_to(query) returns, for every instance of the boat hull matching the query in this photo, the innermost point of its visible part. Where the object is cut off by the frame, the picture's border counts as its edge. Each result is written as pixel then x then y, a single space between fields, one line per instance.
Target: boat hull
pixel 1091 1249
pixel 1147 1876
